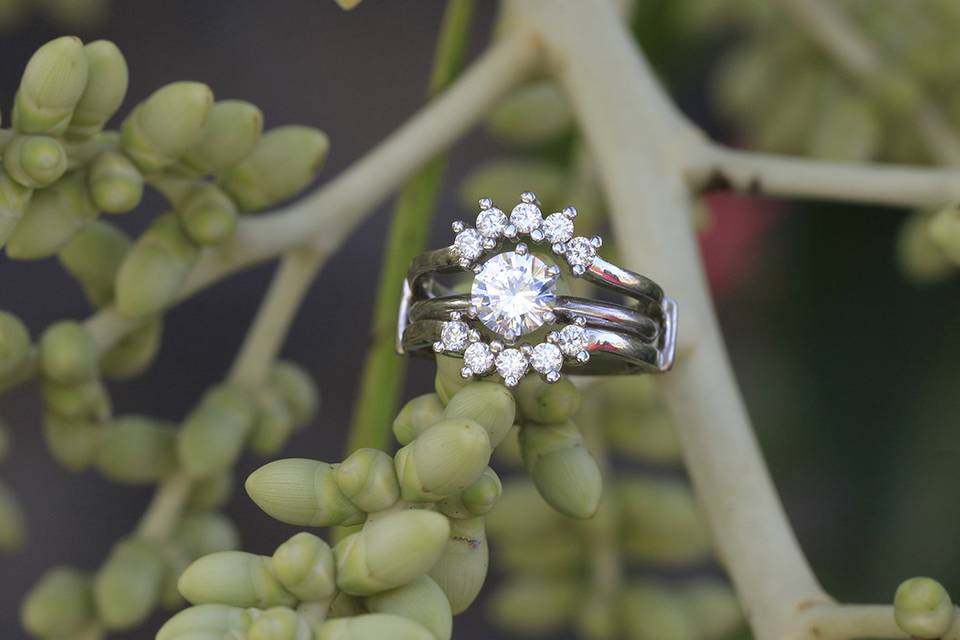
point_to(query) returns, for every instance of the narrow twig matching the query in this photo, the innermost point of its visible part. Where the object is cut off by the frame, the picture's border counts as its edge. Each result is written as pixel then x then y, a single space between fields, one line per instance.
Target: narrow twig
pixel 163 513
pixel 855 622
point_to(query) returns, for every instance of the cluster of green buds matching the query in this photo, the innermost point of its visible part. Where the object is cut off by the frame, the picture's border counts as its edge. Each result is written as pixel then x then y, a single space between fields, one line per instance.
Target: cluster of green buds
pixel 593 575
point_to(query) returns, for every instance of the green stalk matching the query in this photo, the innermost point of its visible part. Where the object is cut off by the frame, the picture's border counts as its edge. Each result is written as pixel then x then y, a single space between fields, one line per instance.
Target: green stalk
pixel 383 371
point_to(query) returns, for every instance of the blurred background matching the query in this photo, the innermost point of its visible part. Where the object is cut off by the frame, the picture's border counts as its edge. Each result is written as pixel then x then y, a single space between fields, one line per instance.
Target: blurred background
pixel 847 362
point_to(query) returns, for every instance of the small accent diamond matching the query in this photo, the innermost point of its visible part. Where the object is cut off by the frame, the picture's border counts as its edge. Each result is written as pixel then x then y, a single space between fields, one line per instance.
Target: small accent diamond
pixel 557 228
pixel 511 365
pixel 455 335
pixel 580 253
pixel 572 340
pixel 546 358
pixel 478 358
pixel 469 244
pixel 491 222
pixel 526 217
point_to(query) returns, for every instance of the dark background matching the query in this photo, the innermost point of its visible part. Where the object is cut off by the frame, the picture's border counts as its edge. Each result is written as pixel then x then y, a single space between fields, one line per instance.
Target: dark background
pixel 848 370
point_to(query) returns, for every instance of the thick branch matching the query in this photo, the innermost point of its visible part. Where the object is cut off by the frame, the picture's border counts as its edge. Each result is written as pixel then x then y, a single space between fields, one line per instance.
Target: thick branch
pixel 784 176
pixel 855 622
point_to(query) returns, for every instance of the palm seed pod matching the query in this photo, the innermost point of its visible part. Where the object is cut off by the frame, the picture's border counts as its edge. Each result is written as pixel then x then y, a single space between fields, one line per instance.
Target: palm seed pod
pixel 153 272
pixel 283 162
pixel 650 612
pixel 536 606
pixel 714 607
pixel 164 126
pixel 12 527
pixel 448 379
pixel 502 180
pixel 58 605
pixel 127 587
pixel 52 218
pixel 476 500
pixel 207 214
pixel 304 565
pixel 68 353
pixel 75 402
pixel 273 425
pixel 134 352
pixel 463 565
pixel 370 626
pixel 302 492
pixel 545 403
pixel 104 91
pixel 560 466
pixel 214 433
pixel 280 623
pixel 922 608
pixel 14 345
pixel 13 201
pixel 444 460
pixel 298 389
pixel 116 185
pixel 422 601
pixel 391 550
pixel 208 622
pixel 232 132
pixel 35 161
pixel 490 404
pixel 137 450
pixel 93 256
pixel 416 417
pixel 919 255
pixel 211 492
pixel 51 86
pixel 367 478
pixel 235 578
pixel 661 523
pixel 531 115
pixel 204 533
pixel 73 444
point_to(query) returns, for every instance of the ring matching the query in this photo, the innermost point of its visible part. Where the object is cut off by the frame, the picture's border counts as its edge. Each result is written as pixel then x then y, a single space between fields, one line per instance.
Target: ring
pixel 514 293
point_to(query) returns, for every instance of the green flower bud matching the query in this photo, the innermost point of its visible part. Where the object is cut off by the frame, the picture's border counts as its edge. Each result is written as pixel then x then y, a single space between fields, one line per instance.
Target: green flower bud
pixel 214 433
pixel 847 128
pixel 531 115
pixel 52 218
pixel 73 444
pixel 77 402
pixel 60 604
pixel 714 607
pixel 368 479
pixel 126 589
pixel 204 533
pixel 944 231
pixel 304 565
pixel 93 256
pixel 545 403
pixel 280 623
pixel 208 622
pixel 446 459
pixel 35 161
pixel 134 353
pixel 650 612
pixel 302 492
pixel 554 553
pixel 137 450
pixel 68 353
pixel 476 500
pixel 533 605
pixel 232 132
pixel 919 256
pixel 416 417
pixel 273 423
pixel 51 86
pixel 208 215
pixel 503 180
pixel 175 560
pixel 422 601
pixel 285 160
pixel 660 522
pixel 236 578
pixel 104 91
pixel 154 271
pixel 13 201
pixel 489 404
pixel 12 527
pixel 563 470
pixel 370 626
pixel 116 185
pixel 922 608
pixel 522 513
pixel 211 492
pixel 14 345
pixel 448 380
pixel 508 453
pixel 167 124
pixel 391 550
pixel 462 566
pixel 647 435
pixel 298 389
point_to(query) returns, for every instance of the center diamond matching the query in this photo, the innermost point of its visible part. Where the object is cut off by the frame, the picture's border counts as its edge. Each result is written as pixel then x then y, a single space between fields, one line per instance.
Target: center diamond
pixel 513 293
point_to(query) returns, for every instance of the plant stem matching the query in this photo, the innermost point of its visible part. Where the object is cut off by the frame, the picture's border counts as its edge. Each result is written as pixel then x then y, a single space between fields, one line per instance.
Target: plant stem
pixel 383 372
pixel 164 511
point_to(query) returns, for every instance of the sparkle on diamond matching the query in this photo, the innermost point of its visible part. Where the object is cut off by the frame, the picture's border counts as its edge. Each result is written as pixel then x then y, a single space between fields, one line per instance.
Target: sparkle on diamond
pixel 546 358
pixel 557 228
pixel 526 217
pixel 469 244
pixel 491 222
pixel 513 292
pixel 479 358
pixel 511 365
pixel 581 252
pixel 572 340
pixel 455 335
